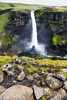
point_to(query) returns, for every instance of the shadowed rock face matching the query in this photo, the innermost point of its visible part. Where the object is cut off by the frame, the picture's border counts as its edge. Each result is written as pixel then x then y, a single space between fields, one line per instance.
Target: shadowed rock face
pixel 49 25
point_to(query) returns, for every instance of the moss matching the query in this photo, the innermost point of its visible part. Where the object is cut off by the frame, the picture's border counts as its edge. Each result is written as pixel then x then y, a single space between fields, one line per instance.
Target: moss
pixel 51 63
pixel 6 41
pixel 28 65
pixel 5 60
pixel 43 69
pixel 65 74
pixel 14 37
pixel 42 11
pixel 50 91
pixel 55 22
pixel 56 40
pixel 30 68
pixel 3 20
pixel 26 58
pixel 39 56
pixel 60 31
pixel 44 98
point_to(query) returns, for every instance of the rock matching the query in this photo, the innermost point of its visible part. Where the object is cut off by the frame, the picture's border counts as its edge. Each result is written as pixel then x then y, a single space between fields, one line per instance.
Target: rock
pixel 17 61
pixel 2 89
pixel 10 73
pixel 53 83
pixel 65 85
pixel 38 83
pixel 36 75
pixel 1 76
pixel 17 92
pixel 21 76
pixel 30 77
pixel 59 76
pixel 38 91
pixel 62 91
pixel 35 64
pixel 46 90
pixel 64 70
pixel 59 97
pixel 14 81
pixel 19 67
pixel 6 67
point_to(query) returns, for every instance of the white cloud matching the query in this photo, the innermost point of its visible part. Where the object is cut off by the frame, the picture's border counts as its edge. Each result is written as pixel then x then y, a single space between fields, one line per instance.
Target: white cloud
pixel 43 2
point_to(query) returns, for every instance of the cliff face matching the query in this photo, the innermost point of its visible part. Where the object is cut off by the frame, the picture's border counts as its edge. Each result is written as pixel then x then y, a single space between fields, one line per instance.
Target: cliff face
pixel 55 29
pixel 17 32
pixel 51 27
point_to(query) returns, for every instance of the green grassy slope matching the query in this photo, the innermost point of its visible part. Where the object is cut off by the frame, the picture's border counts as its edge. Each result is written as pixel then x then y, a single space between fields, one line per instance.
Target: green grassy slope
pixel 18 6
pixel 3 20
pixel 22 7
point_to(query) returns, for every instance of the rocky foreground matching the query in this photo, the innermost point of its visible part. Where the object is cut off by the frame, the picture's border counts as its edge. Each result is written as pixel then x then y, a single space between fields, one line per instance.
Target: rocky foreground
pixel 29 79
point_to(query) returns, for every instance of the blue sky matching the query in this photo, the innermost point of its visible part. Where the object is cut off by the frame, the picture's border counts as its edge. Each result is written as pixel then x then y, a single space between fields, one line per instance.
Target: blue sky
pixel 42 2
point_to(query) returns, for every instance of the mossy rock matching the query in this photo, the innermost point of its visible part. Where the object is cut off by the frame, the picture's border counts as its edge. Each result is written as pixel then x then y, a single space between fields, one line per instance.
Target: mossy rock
pixel 43 98
pixel 63 73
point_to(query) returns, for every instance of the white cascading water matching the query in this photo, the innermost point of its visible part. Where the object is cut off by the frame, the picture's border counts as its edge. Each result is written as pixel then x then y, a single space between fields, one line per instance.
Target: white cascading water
pixel 34 41
pixel 34 30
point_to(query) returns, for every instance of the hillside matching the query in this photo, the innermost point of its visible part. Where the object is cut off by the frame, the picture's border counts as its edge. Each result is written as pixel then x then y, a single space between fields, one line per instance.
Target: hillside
pixel 21 7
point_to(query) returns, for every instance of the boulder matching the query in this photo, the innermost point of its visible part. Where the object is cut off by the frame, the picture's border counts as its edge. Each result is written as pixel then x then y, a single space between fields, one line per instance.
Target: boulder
pixel 36 75
pixel 1 76
pixel 65 85
pixel 62 91
pixel 6 67
pixel 59 97
pixel 64 70
pixel 17 61
pixel 46 90
pixel 19 67
pixel 38 91
pixel 53 83
pixel 21 76
pixel 30 77
pixel 17 92
pixel 2 89
pixel 59 76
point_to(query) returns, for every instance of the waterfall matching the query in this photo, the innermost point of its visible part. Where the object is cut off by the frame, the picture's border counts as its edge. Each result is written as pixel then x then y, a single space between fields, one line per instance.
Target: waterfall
pixel 34 30
pixel 34 42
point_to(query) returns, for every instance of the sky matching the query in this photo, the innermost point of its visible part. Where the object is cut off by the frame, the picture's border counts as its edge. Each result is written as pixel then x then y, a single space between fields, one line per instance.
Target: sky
pixel 41 2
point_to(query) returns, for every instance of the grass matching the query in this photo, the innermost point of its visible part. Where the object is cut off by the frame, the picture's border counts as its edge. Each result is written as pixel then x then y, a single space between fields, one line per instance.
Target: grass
pixel 21 7
pixel 30 68
pixel 5 60
pixel 3 20
pixel 43 62
pixel 49 63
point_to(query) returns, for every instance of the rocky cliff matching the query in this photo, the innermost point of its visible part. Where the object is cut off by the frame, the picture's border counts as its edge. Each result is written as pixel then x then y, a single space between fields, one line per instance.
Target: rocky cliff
pixel 54 26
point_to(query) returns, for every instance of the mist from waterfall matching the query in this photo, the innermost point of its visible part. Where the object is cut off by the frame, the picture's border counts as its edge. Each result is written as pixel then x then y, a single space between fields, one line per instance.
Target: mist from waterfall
pixel 34 42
